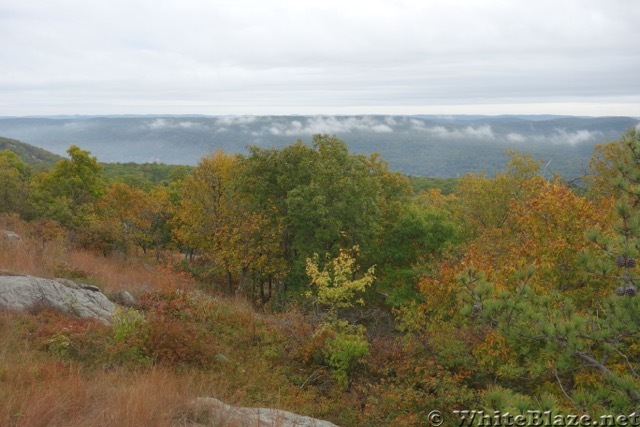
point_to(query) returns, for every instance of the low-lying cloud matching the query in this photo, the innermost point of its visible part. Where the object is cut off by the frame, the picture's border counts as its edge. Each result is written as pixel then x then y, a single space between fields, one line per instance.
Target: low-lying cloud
pixel 468 132
pixel 558 136
pixel 516 137
pixel 302 126
pixel 235 120
pixel 562 136
pixel 331 125
pixel 159 124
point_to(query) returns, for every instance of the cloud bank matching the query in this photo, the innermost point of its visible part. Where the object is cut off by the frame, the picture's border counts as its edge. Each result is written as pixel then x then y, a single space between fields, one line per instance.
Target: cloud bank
pixel 331 125
pixel 333 57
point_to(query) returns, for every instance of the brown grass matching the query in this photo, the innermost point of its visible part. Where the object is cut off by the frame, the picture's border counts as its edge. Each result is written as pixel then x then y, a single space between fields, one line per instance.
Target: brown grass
pixel 37 390
pixel 50 394
pixel 125 273
pixel 50 259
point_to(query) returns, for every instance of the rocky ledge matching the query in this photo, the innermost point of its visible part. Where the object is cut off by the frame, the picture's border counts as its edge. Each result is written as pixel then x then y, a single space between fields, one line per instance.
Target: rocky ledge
pixel 236 416
pixel 27 292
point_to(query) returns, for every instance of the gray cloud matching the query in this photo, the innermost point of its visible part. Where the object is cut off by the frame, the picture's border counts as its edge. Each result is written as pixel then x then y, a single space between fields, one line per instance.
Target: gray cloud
pixel 330 57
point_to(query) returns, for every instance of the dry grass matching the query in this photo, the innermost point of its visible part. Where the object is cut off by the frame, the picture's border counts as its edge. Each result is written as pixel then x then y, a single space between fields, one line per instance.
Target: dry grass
pixel 38 390
pixel 50 259
pixel 50 394
pixel 125 273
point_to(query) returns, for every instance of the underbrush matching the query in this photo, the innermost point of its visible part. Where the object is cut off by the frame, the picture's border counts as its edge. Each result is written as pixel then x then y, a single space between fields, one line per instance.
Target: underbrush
pixel 152 362
pixel 180 343
pixel 41 385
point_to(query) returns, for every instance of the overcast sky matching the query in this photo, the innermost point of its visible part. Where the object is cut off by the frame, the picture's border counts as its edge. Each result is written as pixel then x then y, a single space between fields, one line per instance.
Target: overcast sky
pixel 258 57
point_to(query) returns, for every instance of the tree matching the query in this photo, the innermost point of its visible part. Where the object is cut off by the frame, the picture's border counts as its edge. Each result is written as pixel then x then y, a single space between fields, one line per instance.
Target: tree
pixel 484 201
pixel 68 193
pixel 519 317
pixel 128 216
pixel 337 288
pixel 14 176
pixel 155 225
pixel 322 198
pixel 612 165
pixel 418 235
pixel 617 167
pixel 214 218
pixel 118 210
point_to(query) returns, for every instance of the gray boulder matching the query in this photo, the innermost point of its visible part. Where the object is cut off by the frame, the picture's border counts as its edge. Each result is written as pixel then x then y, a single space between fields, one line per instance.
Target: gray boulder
pixel 10 235
pixel 85 301
pixel 224 414
pixel 125 299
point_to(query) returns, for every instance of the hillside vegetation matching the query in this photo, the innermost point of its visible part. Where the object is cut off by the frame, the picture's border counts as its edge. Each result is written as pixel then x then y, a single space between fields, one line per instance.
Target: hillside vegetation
pixel 139 175
pixel 315 280
pixel 33 156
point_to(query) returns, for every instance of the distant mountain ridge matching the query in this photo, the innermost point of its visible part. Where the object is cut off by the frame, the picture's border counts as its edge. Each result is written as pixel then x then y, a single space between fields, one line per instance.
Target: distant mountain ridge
pixel 422 145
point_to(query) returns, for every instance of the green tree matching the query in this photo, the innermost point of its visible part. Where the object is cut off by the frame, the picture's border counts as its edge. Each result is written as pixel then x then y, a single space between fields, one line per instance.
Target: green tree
pixel 14 176
pixel 412 241
pixel 68 192
pixel 619 247
pixel 322 198
pixel 154 226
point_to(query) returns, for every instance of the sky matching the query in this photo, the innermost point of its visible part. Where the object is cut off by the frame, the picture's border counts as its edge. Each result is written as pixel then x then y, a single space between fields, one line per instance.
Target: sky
pixel 324 57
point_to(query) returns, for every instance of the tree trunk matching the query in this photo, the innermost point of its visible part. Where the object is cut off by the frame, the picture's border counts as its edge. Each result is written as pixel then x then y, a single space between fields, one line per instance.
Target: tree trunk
pixel 228 282
pixel 243 277
pixel 262 300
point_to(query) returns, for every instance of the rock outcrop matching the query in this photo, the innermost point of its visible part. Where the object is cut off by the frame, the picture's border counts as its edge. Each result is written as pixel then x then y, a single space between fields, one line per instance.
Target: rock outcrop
pixel 10 236
pixel 25 292
pixel 125 299
pixel 223 414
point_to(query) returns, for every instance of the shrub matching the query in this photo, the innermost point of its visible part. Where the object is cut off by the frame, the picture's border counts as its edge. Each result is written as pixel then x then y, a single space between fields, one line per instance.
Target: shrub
pixel 129 337
pixel 170 341
pixel 66 337
pixel 175 330
pixel 126 323
pixel 345 349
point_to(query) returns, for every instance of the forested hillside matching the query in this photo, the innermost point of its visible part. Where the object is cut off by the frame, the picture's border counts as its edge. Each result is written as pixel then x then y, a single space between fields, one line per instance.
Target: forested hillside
pixel 315 279
pixel 431 146
pixel 33 156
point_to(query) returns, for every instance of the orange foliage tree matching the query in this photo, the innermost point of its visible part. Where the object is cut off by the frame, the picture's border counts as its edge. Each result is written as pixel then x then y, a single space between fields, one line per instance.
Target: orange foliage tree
pixel 516 313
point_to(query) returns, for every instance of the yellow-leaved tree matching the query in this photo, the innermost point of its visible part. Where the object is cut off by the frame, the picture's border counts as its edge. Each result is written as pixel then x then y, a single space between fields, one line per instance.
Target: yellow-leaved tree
pixel 216 220
pixel 338 288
